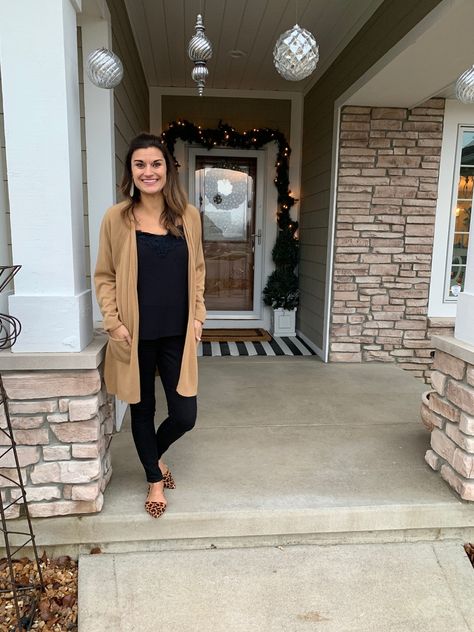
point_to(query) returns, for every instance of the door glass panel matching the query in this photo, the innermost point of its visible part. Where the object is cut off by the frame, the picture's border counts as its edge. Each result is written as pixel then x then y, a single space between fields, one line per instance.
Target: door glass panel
pixel 226 200
pixel 461 217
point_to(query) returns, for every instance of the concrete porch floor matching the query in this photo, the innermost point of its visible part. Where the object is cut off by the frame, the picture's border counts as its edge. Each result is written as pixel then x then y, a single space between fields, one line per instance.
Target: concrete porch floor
pixel 286 450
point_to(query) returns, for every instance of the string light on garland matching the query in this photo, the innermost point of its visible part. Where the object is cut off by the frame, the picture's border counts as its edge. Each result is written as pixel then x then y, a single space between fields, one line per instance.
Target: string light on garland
pixel 104 68
pixel 226 136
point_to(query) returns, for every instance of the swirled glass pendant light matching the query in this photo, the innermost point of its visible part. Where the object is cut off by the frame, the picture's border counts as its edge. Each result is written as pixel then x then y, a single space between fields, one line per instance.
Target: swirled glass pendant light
pixel 200 51
pixel 104 68
pixel 465 86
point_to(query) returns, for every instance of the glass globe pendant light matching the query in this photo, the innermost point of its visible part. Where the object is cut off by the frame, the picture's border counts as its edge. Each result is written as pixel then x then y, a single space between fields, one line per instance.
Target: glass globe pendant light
pixel 296 54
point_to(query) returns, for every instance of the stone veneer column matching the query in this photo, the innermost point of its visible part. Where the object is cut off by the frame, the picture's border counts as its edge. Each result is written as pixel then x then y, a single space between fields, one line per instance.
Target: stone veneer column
pixel 38 49
pixel 62 422
pixel 450 413
pixel 385 214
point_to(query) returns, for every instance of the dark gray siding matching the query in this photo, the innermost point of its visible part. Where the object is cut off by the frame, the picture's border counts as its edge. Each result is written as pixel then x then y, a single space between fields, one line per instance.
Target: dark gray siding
pixel 392 21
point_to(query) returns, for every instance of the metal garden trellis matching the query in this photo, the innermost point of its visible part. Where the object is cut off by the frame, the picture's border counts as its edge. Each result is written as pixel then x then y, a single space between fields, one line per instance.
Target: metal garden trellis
pixel 24 594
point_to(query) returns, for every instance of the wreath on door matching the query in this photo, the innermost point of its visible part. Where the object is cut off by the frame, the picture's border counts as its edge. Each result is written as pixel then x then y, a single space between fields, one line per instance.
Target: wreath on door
pixel 222 192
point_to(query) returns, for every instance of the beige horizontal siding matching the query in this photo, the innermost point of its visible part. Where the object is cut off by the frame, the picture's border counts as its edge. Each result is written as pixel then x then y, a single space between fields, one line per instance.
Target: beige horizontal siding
pixel 131 97
pixel 243 114
pixel 5 232
pixel 80 61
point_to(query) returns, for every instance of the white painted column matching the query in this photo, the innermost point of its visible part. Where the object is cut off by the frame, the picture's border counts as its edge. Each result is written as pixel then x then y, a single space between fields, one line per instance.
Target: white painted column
pixel 5 258
pixel 464 327
pixel 38 56
pixel 100 137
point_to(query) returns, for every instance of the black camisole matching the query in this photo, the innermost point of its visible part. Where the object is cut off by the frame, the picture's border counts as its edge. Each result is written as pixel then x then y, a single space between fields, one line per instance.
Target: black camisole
pixel 162 285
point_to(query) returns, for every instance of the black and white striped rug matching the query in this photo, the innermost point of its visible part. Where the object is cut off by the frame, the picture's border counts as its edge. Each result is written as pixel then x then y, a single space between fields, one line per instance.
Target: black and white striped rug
pixel 287 345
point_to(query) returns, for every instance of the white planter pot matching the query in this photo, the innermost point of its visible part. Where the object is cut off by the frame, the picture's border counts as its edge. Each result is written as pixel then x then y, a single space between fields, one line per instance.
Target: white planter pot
pixel 283 322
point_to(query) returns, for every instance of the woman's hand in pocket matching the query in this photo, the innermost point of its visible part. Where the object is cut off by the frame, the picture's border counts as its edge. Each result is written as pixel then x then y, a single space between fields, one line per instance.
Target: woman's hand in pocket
pixel 197 329
pixel 121 334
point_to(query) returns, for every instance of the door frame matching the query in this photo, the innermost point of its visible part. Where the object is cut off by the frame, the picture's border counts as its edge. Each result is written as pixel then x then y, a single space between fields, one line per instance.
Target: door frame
pixel 259 317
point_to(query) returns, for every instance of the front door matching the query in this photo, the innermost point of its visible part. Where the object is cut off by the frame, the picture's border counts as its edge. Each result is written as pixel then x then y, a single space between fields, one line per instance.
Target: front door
pixel 225 194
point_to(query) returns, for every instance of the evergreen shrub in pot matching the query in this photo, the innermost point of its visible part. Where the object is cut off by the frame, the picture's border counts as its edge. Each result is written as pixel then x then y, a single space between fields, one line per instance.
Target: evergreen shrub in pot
pixel 281 291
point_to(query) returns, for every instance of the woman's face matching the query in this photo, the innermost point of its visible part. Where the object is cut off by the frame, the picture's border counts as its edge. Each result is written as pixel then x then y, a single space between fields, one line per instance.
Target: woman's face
pixel 149 170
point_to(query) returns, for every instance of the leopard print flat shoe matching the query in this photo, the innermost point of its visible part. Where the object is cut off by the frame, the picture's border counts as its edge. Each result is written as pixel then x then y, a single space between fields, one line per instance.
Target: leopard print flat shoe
pixel 155 509
pixel 169 480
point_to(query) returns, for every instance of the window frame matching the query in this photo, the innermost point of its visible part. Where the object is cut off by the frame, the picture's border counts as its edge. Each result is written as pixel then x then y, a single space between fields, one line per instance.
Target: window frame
pixel 458 118
pixel 452 218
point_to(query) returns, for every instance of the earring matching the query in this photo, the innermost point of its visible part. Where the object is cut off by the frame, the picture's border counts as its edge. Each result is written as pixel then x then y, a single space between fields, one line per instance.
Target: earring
pixel 132 190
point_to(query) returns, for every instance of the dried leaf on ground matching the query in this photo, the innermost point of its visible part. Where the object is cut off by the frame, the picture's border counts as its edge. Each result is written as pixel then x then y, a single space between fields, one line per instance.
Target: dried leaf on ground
pixel 469 548
pixel 57 608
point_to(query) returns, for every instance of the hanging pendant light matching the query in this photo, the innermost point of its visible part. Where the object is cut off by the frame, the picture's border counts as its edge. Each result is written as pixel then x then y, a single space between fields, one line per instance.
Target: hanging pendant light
pixel 465 86
pixel 200 51
pixel 104 68
pixel 296 54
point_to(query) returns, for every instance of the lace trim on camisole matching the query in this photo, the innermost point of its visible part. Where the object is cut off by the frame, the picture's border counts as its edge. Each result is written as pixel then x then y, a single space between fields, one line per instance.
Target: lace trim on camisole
pixel 161 244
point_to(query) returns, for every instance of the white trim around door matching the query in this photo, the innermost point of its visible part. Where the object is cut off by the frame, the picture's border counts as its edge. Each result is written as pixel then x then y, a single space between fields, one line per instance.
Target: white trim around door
pixel 244 319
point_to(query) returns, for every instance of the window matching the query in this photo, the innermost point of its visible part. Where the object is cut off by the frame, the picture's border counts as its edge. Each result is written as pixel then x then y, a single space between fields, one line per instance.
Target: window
pixel 461 213
pixel 453 209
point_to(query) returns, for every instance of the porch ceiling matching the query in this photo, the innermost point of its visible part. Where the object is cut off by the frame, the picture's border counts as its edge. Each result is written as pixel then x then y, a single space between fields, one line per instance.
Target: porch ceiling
pixel 163 28
pixel 425 63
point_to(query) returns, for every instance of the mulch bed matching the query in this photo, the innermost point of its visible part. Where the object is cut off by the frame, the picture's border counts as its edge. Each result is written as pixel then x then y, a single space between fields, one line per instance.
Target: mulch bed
pixel 57 611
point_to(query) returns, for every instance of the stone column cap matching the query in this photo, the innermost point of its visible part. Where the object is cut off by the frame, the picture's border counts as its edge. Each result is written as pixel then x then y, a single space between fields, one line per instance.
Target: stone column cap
pixel 89 358
pixel 453 346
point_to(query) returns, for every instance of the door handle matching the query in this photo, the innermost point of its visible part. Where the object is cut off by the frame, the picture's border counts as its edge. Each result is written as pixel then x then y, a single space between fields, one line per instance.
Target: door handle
pixel 258 235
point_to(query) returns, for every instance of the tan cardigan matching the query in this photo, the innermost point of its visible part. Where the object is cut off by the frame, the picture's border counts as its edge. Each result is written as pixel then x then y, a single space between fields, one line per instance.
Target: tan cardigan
pixel 116 289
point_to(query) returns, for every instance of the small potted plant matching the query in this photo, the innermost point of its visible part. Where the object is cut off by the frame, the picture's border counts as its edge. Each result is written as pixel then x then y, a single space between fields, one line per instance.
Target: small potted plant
pixel 281 291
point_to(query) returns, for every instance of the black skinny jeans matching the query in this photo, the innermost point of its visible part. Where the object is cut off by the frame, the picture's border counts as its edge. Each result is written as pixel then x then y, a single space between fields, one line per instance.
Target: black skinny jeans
pixel 166 354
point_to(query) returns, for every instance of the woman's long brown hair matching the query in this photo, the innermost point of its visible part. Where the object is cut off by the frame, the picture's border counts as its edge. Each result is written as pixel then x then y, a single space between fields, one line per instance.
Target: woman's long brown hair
pixel 173 193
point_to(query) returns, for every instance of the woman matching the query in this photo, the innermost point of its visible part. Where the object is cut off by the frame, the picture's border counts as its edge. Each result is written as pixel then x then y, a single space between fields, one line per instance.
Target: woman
pixel 149 283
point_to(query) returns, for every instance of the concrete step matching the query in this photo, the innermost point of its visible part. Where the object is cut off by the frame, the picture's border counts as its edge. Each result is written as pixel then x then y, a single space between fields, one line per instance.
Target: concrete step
pixel 284 452
pixel 213 505
pixel 362 588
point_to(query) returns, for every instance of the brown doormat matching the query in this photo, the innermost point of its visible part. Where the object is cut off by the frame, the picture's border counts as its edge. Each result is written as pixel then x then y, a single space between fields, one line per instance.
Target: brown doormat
pixel 235 335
